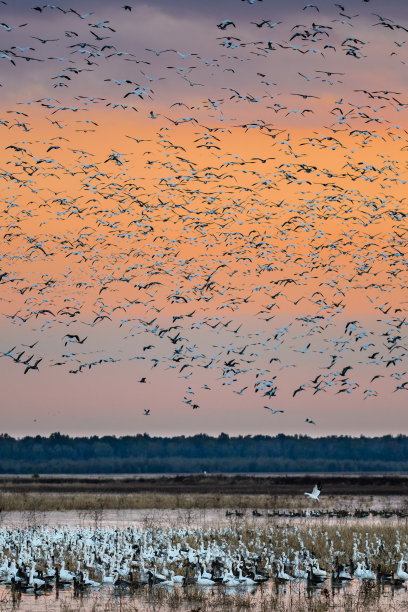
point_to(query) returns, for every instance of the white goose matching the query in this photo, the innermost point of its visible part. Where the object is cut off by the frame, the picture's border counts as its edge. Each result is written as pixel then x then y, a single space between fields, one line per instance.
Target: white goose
pixel 230 580
pixel 65 575
pixel 35 583
pixel 363 573
pixel 316 569
pixel 315 493
pixel 281 574
pixel 176 578
pixel 245 579
pixel 204 581
pixel 300 574
pixel 402 575
pixel 108 578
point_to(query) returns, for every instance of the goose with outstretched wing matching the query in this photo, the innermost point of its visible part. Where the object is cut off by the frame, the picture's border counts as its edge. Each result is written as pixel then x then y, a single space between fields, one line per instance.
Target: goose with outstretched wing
pixel 316 492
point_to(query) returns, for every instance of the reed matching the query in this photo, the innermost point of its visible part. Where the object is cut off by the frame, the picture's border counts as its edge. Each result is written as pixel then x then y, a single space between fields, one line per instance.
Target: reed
pixel 55 502
pixel 367 598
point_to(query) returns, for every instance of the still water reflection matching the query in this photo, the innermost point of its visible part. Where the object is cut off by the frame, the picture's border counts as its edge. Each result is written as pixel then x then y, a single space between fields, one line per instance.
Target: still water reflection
pixel 292 597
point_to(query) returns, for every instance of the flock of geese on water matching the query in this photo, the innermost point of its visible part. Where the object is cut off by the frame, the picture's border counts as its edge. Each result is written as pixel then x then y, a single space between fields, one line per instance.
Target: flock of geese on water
pixel 227 230
pixel 38 559
pixel 339 513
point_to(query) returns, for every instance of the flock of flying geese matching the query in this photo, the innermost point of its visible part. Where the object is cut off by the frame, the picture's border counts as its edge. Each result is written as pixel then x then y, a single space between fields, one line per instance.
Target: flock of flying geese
pixel 39 559
pixel 221 219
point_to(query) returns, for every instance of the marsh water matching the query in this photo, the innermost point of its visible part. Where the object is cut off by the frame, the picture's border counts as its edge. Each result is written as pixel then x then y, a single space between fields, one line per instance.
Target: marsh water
pixel 208 517
pixel 295 596
pixel 292 597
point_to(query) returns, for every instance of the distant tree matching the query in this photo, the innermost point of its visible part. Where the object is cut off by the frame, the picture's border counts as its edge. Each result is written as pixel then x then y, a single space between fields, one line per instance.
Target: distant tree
pixel 60 453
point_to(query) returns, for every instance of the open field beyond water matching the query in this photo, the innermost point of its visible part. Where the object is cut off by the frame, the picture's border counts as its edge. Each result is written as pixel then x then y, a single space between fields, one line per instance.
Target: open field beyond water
pixel 241 484
pixel 59 493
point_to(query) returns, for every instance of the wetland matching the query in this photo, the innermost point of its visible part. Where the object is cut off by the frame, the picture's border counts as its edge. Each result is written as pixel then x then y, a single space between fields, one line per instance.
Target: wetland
pixel 143 550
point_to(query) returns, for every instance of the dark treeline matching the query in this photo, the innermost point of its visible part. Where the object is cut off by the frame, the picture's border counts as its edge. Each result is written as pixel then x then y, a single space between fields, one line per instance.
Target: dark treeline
pixel 61 454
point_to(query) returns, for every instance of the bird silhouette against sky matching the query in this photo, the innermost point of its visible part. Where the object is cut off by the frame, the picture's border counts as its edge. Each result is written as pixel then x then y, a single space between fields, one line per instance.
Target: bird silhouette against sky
pixel 222 203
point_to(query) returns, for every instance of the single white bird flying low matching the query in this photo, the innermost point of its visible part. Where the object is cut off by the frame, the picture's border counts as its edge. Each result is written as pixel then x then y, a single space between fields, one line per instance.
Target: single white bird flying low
pixel 316 492
pixel 310 421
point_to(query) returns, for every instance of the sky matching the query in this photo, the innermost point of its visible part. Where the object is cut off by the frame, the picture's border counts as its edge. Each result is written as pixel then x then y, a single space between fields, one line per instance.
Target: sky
pixel 203 223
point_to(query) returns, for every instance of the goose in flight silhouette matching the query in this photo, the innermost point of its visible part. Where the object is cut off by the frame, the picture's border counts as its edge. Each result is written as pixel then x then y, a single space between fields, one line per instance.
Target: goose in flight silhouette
pixel 273 410
pixel 32 367
pixel 225 23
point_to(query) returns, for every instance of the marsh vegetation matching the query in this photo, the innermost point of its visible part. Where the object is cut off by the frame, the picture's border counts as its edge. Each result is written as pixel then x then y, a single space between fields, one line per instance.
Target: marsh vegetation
pixel 161 560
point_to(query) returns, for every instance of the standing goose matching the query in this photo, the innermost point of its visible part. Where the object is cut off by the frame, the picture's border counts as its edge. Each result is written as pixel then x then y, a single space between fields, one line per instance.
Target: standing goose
pixel 403 575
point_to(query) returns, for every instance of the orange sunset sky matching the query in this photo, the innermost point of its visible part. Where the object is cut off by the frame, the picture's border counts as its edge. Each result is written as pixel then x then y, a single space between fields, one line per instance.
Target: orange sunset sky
pixel 203 215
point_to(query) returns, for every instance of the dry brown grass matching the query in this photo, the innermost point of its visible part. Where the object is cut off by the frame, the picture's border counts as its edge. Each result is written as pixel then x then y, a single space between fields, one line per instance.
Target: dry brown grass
pixel 48 502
